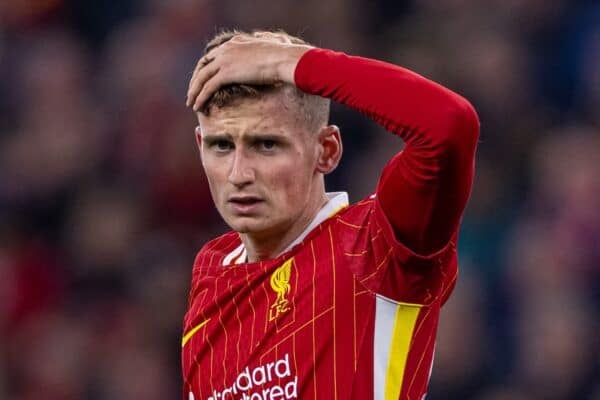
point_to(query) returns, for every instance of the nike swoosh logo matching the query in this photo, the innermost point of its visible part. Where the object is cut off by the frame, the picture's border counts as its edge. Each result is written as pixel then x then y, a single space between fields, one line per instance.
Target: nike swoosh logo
pixel 186 338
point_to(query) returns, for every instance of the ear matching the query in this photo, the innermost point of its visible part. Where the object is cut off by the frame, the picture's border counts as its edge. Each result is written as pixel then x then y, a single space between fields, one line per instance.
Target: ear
pixel 330 149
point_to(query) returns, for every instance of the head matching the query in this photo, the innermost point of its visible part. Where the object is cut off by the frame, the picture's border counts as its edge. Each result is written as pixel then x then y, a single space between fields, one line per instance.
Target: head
pixel 315 109
pixel 265 150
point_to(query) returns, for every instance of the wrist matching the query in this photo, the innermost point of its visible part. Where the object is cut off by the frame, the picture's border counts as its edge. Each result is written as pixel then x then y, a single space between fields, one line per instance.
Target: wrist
pixel 287 67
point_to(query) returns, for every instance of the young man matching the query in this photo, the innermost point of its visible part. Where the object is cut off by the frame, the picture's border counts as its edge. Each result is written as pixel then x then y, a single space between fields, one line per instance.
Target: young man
pixel 309 297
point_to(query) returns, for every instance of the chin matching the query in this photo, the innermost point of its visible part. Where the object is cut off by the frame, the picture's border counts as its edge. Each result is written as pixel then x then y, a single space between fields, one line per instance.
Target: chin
pixel 243 225
pixel 241 229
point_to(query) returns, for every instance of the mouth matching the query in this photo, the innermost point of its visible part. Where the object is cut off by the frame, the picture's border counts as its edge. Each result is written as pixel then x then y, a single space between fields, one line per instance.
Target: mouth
pixel 245 205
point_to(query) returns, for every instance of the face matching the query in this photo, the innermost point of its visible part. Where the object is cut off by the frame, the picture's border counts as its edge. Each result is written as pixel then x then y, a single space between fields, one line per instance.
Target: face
pixel 262 165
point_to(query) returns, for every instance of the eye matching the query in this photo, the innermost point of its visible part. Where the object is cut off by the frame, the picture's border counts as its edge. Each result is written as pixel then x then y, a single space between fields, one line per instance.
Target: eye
pixel 222 145
pixel 267 144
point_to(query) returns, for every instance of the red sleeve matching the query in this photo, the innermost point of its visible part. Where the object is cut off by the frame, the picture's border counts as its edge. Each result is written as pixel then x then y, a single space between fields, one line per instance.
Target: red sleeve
pixel 423 190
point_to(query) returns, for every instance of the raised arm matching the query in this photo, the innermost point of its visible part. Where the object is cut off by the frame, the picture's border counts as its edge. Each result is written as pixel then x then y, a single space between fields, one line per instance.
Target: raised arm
pixel 423 190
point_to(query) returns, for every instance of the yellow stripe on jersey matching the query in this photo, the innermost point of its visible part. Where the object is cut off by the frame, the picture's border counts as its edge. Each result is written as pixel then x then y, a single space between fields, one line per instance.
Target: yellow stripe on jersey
pixel 404 325
pixel 192 331
pixel 394 327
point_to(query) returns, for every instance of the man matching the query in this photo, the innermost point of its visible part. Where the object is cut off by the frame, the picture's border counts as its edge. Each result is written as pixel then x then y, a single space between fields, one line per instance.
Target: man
pixel 309 297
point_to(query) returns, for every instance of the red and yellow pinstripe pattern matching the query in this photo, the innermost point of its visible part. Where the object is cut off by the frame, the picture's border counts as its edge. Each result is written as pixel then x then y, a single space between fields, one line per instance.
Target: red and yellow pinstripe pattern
pixel 339 291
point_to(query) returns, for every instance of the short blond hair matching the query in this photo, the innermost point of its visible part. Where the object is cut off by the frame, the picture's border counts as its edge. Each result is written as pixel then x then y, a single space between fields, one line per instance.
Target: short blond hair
pixel 315 109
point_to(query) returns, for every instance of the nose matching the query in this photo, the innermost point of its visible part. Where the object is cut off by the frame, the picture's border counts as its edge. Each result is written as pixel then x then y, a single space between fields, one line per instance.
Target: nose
pixel 242 172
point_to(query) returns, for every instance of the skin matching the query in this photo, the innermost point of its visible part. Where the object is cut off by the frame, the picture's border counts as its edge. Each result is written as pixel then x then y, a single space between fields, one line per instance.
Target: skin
pixel 265 168
pixel 265 58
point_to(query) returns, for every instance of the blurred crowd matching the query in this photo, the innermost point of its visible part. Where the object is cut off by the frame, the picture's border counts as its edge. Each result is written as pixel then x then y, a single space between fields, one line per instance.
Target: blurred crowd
pixel 103 202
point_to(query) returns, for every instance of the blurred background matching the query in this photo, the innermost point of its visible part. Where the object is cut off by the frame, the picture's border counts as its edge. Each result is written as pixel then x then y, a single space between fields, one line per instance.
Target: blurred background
pixel 103 202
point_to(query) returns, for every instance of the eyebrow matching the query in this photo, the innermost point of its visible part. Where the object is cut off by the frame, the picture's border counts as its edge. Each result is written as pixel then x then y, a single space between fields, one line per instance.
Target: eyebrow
pixel 211 138
pixel 248 137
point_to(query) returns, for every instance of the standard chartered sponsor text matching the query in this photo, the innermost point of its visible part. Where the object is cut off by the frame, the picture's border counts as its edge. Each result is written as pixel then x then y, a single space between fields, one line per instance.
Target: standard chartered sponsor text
pixel 270 381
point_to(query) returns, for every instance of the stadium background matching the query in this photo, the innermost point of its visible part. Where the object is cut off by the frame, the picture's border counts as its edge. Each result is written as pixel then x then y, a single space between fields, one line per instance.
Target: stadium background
pixel 103 203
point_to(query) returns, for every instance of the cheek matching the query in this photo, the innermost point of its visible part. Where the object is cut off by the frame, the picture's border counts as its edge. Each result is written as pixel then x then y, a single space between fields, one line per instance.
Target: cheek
pixel 291 183
pixel 214 177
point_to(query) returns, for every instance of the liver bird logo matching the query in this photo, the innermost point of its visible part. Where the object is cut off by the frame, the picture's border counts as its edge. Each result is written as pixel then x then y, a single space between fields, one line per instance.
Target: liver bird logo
pixel 280 283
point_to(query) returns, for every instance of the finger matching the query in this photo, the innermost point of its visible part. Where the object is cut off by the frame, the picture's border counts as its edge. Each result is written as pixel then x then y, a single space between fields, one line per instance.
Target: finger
pixel 192 84
pixel 192 89
pixel 207 59
pixel 198 80
pixel 201 64
pixel 208 89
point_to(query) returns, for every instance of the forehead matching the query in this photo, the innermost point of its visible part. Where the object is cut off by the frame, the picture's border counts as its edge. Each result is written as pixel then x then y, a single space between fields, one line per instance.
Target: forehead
pixel 272 113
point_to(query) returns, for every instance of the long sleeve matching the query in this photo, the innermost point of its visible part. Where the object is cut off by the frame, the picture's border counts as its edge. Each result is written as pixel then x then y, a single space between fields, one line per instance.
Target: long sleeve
pixel 422 190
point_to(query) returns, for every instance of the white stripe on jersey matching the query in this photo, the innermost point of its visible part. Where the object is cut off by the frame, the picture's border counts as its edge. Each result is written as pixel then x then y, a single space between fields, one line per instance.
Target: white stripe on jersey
pixel 234 253
pixel 385 316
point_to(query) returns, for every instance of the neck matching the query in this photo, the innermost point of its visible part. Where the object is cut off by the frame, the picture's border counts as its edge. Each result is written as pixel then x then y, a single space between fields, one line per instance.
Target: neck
pixel 267 245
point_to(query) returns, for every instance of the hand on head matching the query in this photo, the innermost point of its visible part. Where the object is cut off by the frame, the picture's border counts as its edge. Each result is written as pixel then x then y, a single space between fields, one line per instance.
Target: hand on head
pixel 261 59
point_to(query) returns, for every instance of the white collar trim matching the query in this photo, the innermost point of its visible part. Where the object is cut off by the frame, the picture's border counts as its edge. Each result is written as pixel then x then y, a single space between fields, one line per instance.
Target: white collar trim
pixel 336 201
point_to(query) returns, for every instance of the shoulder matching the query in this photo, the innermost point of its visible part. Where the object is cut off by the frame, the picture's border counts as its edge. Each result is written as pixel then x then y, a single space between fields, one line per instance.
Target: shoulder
pixel 367 244
pixel 367 223
pixel 353 227
pixel 215 250
pixel 357 214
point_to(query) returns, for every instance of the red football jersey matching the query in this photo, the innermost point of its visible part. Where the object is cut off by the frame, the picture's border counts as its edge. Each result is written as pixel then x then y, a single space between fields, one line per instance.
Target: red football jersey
pixel 348 313
pixel 351 311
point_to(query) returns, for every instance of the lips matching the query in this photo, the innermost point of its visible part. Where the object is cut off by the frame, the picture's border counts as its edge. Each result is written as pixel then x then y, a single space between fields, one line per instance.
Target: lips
pixel 244 199
pixel 245 204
